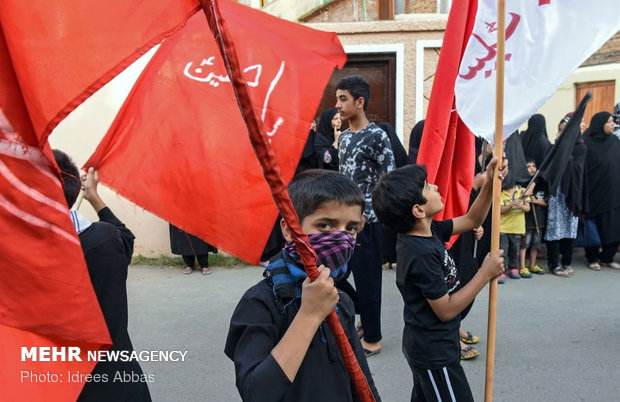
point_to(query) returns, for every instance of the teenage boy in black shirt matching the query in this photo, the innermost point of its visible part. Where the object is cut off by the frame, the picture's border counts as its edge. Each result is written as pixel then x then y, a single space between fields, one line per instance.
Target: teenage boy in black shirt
pixel 428 278
pixel 365 153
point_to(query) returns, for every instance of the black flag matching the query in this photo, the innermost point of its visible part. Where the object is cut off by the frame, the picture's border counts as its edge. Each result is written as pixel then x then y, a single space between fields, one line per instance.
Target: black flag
pixel 552 168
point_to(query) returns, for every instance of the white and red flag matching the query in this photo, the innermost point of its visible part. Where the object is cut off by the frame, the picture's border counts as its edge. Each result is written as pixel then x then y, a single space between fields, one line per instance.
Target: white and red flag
pixel 546 40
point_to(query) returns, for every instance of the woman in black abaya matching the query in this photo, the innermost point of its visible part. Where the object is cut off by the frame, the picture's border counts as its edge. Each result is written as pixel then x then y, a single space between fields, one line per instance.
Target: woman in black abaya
pixel 326 141
pixel 534 140
pixel 603 189
pixel 192 249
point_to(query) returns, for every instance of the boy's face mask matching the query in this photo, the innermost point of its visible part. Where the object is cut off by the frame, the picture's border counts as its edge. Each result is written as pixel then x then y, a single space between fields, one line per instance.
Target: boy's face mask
pixel 333 250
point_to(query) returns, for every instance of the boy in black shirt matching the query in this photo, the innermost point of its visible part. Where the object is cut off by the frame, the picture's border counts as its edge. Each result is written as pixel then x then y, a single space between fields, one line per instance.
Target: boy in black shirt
pixel 282 348
pixel 428 278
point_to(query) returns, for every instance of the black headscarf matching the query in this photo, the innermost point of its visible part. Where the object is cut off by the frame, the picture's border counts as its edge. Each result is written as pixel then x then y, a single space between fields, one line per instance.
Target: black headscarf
pixel 324 128
pixel 400 155
pixel 324 141
pixel 414 141
pixel 602 166
pixel 534 140
pixel 517 174
pixel 481 151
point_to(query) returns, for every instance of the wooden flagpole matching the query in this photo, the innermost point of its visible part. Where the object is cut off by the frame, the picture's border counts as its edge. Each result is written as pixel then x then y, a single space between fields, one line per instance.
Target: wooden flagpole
pixel 497 195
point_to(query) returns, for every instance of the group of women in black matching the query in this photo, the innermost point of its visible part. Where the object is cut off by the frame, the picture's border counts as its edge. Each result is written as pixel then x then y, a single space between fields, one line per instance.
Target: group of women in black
pixel 588 196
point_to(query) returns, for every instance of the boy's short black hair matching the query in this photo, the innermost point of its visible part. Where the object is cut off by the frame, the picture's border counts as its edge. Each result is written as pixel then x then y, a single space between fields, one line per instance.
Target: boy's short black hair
pixel 312 187
pixel 530 160
pixel 357 86
pixel 70 176
pixel 396 193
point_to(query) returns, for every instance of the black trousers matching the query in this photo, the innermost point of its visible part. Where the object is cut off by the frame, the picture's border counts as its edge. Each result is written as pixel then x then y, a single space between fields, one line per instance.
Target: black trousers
pixel 443 384
pixel 510 243
pixel 606 255
pixel 203 260
pixel 366 267
pixel 557 247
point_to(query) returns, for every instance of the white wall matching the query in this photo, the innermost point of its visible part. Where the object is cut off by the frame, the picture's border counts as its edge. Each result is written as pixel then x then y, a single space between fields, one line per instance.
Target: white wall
pixel 563 101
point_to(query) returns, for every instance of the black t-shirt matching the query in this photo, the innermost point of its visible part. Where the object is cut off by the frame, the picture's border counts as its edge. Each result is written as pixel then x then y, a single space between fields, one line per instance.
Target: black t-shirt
pixel 425 270
pixel 541 212
pixel 256 327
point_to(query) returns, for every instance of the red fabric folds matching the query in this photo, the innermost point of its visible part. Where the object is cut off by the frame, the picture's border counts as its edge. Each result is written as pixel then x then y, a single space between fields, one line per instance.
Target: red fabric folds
pixel 179 146
pixel 447 148
pixel 46 295
pixel 64 50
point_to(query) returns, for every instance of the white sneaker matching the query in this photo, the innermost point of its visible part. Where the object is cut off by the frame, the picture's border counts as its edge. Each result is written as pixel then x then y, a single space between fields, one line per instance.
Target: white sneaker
pixel 612 265
pixel 594 266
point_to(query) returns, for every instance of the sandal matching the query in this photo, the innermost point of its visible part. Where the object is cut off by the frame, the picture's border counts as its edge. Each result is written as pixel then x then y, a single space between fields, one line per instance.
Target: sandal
pixel 369 352
pixel 188 270
pixel 560 272
pixel 514 274
pixel 469 353
pixel 470 339
pixel 206 271
pixel 537 269
pixel 569 270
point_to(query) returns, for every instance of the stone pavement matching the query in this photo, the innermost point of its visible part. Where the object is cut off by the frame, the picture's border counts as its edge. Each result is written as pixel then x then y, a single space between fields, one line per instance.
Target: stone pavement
pixel 557 339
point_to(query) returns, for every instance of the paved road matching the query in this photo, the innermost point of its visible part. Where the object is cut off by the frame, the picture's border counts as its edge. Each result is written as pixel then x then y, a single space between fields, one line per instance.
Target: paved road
pixel 557 339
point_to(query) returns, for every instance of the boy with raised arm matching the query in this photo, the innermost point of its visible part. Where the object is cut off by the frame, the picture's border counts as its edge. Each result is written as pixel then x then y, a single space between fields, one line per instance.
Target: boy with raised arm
pixel 427 277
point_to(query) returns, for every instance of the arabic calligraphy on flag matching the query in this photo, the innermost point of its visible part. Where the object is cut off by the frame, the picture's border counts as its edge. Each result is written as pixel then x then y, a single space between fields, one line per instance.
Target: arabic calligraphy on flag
pixel 545 42
pixel 199 171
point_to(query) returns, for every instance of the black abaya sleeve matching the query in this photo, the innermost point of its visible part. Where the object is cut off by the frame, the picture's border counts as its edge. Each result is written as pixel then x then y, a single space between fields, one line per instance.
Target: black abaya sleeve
pixel 127 238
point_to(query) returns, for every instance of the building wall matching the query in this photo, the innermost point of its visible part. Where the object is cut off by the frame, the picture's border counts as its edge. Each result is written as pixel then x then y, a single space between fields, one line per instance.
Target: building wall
pixel 342 11
pixel 608 53
pixel 291 9
pixel 406 30
pixel 421 6
pixel 563 101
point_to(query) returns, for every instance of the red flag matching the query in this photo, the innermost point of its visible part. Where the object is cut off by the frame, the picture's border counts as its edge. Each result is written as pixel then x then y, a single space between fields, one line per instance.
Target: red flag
pixel 64 50
pixel 261 145
pixel 447 146
pixel 179 146
pixel 47 299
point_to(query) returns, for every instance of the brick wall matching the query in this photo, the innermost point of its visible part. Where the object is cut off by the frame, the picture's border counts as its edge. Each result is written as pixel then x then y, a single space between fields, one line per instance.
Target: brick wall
pixel 343 11
pixel 608 53
pixel 421 6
